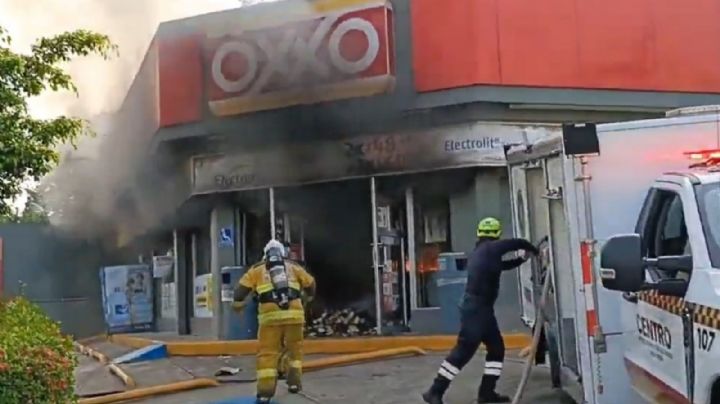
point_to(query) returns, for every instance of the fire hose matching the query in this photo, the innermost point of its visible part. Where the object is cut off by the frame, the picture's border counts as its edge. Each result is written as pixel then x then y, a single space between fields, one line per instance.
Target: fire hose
pixel 539 321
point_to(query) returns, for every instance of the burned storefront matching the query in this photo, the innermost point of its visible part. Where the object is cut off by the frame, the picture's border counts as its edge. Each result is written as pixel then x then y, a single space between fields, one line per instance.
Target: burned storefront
pixel 368 216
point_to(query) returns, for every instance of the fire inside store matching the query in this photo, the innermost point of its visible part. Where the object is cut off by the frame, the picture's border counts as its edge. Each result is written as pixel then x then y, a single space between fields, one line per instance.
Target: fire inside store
pixel 329 228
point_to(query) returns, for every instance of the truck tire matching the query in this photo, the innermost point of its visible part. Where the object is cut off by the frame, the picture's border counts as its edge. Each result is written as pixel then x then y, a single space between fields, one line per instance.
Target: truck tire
pixel 554 354
pixel 715 393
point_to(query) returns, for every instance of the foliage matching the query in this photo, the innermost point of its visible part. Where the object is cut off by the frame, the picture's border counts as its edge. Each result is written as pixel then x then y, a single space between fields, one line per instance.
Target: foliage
pixel 27 145
pixel 36 361
pixel 34 211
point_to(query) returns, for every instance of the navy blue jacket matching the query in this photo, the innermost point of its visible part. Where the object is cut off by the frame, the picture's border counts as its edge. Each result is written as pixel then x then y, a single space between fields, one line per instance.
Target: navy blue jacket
pixel 485 265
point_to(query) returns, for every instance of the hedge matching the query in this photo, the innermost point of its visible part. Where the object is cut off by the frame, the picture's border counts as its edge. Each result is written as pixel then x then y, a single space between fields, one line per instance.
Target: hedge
pixel 37 362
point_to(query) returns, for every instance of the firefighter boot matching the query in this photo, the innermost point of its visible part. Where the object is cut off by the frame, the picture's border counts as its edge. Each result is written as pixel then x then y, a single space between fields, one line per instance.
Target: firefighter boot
pixel 492 397
pixel 487 394
pixel 435 394
pixel 431 397
pixel 262 400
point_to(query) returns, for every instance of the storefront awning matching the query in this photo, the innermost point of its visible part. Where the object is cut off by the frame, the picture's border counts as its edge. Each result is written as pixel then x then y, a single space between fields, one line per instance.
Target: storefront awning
pixel 467 145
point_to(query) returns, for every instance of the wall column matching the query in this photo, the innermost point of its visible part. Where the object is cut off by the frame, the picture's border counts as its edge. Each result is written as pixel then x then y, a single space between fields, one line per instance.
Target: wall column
pixel 223 238
pixel 492 190
pixel 182 281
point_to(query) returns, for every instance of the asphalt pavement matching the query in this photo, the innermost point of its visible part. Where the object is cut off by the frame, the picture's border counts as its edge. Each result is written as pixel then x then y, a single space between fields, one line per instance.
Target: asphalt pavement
pixel 395 381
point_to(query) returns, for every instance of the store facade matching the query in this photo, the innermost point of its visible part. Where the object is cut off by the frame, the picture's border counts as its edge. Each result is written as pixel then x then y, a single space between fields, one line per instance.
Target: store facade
pixel 414 182
pixel 359 133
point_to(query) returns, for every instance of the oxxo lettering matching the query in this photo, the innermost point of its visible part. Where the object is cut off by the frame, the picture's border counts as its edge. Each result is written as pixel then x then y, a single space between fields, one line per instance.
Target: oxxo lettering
pixel 654 331
pixel 292 56
pixel 472 144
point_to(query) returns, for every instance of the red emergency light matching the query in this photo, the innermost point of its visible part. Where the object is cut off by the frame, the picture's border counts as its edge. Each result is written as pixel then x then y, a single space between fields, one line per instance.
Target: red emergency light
pixel 704 158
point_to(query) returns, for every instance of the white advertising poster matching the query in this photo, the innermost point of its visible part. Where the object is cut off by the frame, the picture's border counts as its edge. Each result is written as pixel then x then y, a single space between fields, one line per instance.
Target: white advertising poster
pixel 168 300
pixel 162 266
pixel 435 224
pixel 202 296
pixel 127 296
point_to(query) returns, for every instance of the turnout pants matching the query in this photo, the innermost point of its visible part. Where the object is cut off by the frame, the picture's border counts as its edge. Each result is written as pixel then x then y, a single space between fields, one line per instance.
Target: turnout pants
pixel 272 340
pixel 478 325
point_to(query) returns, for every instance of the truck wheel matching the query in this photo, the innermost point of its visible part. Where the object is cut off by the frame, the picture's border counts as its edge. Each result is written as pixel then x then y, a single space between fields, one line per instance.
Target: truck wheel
pixel 554 354
pixel 715 393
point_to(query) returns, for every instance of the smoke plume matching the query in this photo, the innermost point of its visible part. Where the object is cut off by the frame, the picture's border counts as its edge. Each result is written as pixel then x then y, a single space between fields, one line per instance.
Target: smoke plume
pixel 83 192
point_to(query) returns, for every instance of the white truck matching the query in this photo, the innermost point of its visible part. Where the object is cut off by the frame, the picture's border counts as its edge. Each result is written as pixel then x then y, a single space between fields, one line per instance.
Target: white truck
pixel 635 217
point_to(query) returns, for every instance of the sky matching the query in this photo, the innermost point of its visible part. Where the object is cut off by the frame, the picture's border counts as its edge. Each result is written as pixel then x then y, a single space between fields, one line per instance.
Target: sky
pixel 130 24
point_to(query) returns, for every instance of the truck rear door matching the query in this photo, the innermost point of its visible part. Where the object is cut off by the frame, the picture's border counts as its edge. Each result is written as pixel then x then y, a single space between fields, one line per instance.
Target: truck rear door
pixel 561 264
pixel 522 229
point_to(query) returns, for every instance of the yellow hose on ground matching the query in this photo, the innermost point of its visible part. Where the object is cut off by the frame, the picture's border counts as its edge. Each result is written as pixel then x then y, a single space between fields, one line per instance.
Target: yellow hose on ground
pixel 539 320
pixel 151 391
pixel 352 359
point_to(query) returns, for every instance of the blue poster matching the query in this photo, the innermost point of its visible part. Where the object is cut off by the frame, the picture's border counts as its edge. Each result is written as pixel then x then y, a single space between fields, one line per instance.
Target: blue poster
pixel 127 298
pixel 227 238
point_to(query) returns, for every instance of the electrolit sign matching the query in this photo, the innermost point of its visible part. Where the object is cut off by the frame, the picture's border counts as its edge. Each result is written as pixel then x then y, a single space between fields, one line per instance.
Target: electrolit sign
pixel 344 54
pixel 472 143
pixel 457 146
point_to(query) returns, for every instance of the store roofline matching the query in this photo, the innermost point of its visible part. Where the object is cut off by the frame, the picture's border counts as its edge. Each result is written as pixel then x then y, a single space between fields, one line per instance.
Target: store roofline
pixel 562 96
pixel 409 119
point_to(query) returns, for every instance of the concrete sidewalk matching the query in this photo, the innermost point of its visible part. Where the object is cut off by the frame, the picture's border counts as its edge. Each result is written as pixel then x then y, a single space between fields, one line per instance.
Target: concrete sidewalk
pixel 93 378
pixel 397 381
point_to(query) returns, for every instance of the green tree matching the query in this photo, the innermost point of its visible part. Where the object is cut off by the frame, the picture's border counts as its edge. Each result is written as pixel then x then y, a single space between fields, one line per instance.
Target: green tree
pixel 28 146
pixel 35 211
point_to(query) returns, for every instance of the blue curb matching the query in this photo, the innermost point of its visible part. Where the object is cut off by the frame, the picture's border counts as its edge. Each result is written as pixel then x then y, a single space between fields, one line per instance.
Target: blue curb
pixel 149 353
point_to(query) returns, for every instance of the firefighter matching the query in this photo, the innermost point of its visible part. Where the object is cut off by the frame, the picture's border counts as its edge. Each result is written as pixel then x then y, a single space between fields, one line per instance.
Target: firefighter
pixel 278 285
pixel 477 316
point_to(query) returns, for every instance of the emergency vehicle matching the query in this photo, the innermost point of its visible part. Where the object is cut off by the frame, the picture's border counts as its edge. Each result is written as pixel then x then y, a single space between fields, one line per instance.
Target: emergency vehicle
pixel 648 332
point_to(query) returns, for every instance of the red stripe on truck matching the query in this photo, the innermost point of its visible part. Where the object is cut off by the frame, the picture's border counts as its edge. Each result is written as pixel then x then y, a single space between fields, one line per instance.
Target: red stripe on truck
pixel 586 262
pixel 587 275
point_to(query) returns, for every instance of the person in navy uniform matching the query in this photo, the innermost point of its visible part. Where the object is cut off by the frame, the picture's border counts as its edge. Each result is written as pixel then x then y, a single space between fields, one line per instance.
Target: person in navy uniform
pixel 477 315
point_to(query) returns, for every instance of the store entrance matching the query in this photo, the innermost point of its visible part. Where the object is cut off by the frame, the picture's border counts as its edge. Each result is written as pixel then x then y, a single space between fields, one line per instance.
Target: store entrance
pixel 374 244
pixel 327 228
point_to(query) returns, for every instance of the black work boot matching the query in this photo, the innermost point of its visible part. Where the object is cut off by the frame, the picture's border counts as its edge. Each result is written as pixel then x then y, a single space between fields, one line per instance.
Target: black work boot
pixel 487 394
pixel 435 394
pixel 431 397
pixel 492 397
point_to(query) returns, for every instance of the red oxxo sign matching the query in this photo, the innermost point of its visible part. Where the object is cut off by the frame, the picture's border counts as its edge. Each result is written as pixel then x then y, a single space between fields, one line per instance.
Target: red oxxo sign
pixel 345 54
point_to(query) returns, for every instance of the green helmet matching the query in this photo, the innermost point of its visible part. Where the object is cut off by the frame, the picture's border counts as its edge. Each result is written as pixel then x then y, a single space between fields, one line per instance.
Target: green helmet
pixel 489 227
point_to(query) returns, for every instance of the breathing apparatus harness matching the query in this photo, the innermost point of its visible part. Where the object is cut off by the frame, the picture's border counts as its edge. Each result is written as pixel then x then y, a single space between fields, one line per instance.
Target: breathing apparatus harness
pixel 282 292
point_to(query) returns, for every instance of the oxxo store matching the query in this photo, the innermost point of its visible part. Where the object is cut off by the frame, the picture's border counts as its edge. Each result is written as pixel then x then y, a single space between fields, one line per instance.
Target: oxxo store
pixel 368 213
pixel 279 95
pixel 368 216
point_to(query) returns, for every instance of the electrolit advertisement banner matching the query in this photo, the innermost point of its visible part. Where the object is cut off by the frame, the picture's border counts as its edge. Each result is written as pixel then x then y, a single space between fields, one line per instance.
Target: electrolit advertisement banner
pixel 203 296
pixel 465 145
pixel 127 298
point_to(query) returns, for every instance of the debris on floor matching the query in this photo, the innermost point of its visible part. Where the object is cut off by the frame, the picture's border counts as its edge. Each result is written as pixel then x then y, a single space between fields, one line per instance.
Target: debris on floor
pixel 340 323
pixel 227 371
